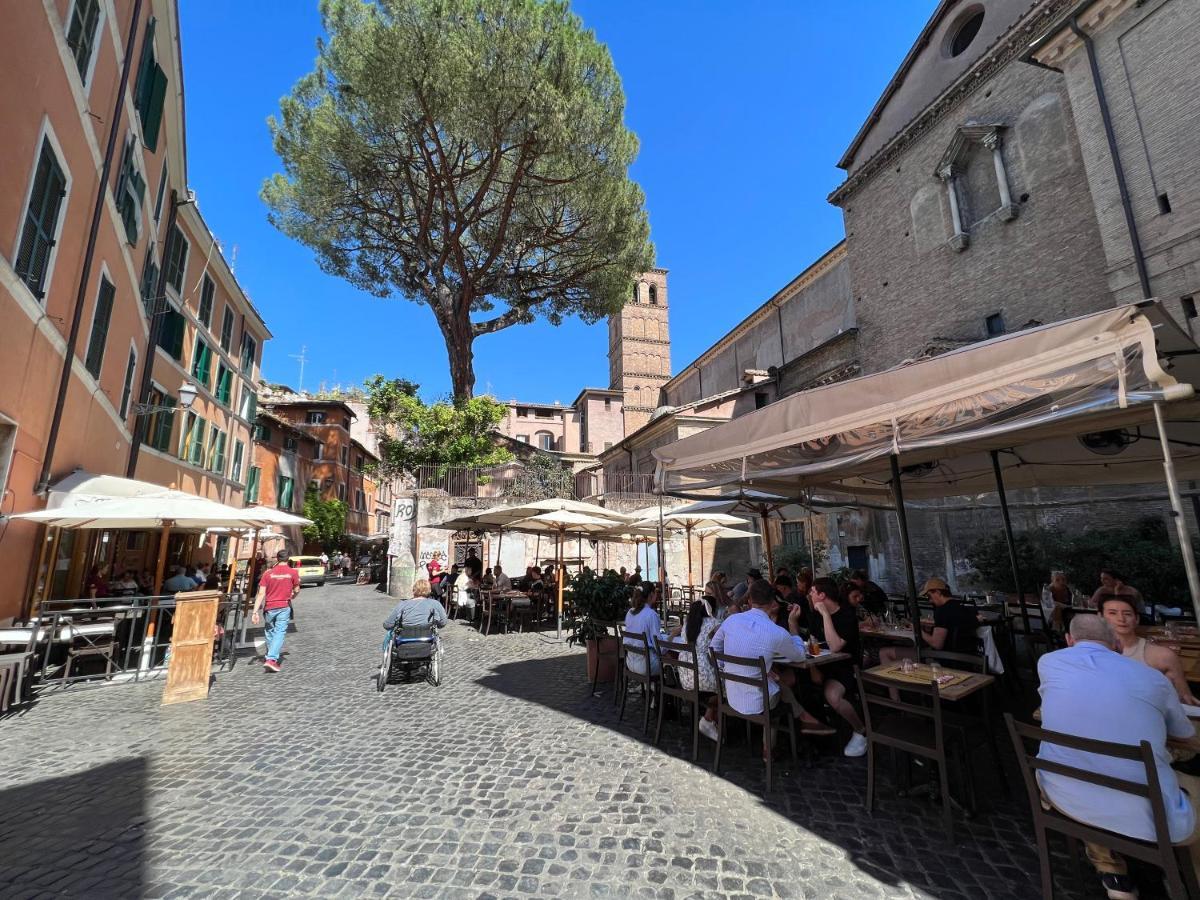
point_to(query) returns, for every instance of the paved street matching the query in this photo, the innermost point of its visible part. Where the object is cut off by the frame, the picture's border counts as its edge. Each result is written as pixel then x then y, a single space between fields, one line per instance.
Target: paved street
pixel 508 779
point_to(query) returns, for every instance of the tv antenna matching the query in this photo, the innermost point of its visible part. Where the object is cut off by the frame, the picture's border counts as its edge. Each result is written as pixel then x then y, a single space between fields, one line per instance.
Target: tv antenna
pixel 303 359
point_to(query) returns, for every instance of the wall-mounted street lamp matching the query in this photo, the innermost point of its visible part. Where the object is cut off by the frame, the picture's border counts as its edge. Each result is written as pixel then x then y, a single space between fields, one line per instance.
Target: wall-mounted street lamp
pixel 187 396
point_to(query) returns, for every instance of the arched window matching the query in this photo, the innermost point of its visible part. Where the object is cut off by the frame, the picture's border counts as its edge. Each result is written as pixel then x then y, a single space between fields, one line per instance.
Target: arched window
pixel 654 295
pixel 635 292
pixel 545 440
pixel 964 33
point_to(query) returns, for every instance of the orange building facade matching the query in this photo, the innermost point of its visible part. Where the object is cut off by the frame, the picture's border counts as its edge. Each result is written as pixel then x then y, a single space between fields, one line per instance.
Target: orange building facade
pixel 79 315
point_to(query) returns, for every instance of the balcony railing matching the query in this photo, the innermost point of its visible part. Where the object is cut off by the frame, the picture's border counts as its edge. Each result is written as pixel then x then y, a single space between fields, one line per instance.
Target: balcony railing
pixel 600 483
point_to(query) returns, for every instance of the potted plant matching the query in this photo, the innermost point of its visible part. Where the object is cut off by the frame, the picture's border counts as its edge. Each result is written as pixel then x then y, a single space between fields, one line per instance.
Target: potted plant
pixel 599 601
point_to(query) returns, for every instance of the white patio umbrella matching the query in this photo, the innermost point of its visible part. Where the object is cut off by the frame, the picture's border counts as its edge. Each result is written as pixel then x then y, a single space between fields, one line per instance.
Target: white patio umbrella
pixel 719 531
pixel 688 521
pixel 560 522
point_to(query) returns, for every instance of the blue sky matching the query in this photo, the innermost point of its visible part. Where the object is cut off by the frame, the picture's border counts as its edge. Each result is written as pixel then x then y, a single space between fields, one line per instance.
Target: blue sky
pixel 742 110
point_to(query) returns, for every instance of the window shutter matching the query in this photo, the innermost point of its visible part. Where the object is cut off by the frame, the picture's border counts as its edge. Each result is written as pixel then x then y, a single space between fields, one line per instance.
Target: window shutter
pixel 145 67
pixel 152 114
pixel 81 33
pixel 127 388
pixel 100 323
pixel 41 220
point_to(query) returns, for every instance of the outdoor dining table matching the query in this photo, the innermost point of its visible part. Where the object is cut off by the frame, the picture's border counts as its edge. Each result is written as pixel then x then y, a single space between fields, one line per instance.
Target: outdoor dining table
pixel 890 633
pixel 959 686
pixel 826 657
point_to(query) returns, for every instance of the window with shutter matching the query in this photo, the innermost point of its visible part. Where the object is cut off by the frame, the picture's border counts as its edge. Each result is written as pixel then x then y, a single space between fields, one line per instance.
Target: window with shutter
pixel 149 282
pixel 100 322
pixel 131 192
pixel 249 404
pixel 41 221
pixel 170 337
pixel 262 433
pixel 283 491
pixel 235 471
pixel 81 33
pixel 206 302
pixel 249 349
pixel 150 91
pixel 252 480
pixel 162 192
pixel 127 388
pixel 162 422
pixel 196 445
pixel 202 363
pixel 227 330
pixel 176 259
pixel 224 389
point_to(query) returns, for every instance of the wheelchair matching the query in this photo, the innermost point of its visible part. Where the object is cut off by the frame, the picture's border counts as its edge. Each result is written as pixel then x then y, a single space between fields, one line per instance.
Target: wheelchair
pixel 411 650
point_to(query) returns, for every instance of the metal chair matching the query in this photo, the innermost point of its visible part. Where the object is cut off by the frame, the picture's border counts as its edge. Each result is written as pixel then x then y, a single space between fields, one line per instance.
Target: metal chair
pixel 916 730
pixel 769 720
pixel 637 646
pixel 15 668
pixel 1174 861
pixel 672 658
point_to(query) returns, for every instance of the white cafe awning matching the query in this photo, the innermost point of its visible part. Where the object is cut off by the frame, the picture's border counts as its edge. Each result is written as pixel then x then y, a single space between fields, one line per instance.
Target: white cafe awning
pixel 1067 404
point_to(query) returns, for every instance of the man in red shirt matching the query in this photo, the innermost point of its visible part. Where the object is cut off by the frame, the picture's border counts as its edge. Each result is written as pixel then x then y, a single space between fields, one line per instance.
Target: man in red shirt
pixel 278 585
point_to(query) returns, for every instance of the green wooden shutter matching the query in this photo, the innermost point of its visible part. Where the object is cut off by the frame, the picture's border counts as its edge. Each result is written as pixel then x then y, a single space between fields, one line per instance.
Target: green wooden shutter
pixel 252 484
pixel 127 388
pixel 152 114
pixel 206 302
pixel 81 34
pixel 100 323
pixel 145 67
pixel 41 222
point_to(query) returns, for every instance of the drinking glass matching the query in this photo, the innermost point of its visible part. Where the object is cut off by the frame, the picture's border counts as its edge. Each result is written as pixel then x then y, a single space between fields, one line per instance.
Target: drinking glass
pixel 906 666
pixel 936 670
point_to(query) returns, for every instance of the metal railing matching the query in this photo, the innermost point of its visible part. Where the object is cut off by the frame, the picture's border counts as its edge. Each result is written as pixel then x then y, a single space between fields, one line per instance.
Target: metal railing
pixel 118 639
pixel 600 483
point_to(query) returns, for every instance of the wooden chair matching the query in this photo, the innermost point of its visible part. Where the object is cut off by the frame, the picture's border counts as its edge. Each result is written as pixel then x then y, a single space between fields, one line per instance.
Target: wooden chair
pixel 670 651
pixel 637 646
pixel 910 728
pixel 768 719
pixel 968 715
pixel 1174 861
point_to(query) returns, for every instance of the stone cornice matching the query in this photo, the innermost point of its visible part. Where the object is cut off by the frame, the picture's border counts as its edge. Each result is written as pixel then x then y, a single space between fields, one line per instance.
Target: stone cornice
pixel 1061 42
pixel 1008 48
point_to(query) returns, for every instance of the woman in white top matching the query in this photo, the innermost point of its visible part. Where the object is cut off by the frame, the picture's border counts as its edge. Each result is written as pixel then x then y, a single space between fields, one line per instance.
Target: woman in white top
pixel 642 619
pixel 698 630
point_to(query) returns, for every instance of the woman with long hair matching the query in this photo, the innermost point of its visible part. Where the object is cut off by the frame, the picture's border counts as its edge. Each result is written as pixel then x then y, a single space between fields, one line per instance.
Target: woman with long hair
pixel 643 619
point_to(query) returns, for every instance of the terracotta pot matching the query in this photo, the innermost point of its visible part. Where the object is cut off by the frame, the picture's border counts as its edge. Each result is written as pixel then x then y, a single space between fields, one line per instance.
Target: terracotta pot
pixel 602 652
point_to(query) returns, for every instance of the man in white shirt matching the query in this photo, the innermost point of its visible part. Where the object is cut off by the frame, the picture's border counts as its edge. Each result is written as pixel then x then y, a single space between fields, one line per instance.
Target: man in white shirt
pixel 754 634
pixel 501 582
pixel 1091 691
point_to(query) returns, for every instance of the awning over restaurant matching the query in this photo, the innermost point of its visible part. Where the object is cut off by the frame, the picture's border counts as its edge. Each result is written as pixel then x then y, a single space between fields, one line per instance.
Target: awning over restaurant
pixel 1065 404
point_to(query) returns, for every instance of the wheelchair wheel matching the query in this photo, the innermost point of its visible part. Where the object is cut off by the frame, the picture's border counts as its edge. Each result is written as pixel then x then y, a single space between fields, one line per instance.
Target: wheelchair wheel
pixel 435 668
pixel 385 668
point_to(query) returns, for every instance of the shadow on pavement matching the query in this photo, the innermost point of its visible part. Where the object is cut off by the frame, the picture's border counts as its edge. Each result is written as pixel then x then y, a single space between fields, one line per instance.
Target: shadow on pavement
pixel 992 854
pixel 80 835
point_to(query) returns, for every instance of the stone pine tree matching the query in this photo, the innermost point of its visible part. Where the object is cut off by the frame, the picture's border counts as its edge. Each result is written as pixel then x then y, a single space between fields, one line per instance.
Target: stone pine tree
pixel 470 155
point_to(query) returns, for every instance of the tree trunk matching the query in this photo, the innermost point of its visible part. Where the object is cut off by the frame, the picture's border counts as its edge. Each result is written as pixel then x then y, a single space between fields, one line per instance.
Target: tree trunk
pixel 459 339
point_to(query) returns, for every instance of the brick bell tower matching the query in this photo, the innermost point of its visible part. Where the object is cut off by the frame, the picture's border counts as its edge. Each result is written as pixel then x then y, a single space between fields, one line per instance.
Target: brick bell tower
pixel 639 348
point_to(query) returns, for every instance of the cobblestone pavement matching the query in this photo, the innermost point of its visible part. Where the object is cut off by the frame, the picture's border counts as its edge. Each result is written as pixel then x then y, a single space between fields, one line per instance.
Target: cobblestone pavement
pixel 509 779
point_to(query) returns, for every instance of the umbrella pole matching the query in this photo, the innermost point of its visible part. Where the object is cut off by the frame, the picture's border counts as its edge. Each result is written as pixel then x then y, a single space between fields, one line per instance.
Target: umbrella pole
pixel 906 550
pixel 812 547
pixel 1008 539
pixel 579 549
pixel 687 530
pixel 237 544
pixel 703 577
pixel 162 558
pixel 144 661
pixel 499 547
pixel 537 552
pixel 662 573
pixel 766 536
pixel 1185 537
pixel 562 576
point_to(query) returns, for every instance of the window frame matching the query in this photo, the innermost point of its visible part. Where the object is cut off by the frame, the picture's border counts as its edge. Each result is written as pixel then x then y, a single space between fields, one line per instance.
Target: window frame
pixel 89 69
pixel 251 343
pixel 226 338
pixel 208 294
pixel 253 483
pixel 203 379
pixel 46 137
pixel 166 413
pixel 131 164
pixel 169 261
pixel 162 192
pixel 224 377
pixel 127 387
pixel 237 460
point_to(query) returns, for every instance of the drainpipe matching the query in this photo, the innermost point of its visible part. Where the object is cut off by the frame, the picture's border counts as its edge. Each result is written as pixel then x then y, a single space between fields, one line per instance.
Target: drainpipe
pixel 64 378
pixel 1139 258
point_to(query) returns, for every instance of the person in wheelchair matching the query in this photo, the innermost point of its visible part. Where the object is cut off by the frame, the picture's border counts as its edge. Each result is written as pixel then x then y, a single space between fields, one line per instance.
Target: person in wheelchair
pixel 422 609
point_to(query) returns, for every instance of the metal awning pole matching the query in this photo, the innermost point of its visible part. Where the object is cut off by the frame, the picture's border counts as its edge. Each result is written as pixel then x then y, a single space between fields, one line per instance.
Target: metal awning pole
pixel 662 574
pixel 703 577
pixel 562 576
pixel 1185 536
pixel 766 539
pixel 1008 537
pixel 687 530
pixel 906 550
pixel 812 551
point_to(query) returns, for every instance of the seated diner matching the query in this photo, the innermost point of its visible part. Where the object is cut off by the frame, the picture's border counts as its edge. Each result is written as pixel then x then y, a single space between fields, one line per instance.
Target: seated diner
pixel 1122 617
pixel 953 627
pixel 643 619
pixel 839 624
pixel 1112 584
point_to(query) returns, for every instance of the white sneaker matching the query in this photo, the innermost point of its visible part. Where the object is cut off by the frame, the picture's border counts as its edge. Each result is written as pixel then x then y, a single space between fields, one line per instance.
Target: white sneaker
pixel 856 746
pixel 709 729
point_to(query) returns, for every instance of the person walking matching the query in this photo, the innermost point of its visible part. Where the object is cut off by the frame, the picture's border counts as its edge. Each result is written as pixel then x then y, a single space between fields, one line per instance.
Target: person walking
pixel 279 584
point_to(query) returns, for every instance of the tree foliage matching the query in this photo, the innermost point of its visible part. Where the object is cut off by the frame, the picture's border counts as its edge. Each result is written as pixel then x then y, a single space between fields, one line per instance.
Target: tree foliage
pixel 413 433
pixel 542 477
pixel 796 557
pixel 1141 551
pixel 328 521
pixel 470 155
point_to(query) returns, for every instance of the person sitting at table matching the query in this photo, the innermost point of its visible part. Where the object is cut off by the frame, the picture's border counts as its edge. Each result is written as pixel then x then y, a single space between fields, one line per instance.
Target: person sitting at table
pixel 127 586
pixel 1058 592
pixel 875 599
pixel 786 589
pixel 179 581
pixel 1112 584
pixel 643 619
pixel 96 584
pixel 502 582
pixel 743 587
pixel 146 582
pixel 839 624
pixel 1121 616
pixel 698 629
pixel 953 627
pixel 1090 692
pixel 635 577
pixel 754 634
pixel 624 573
